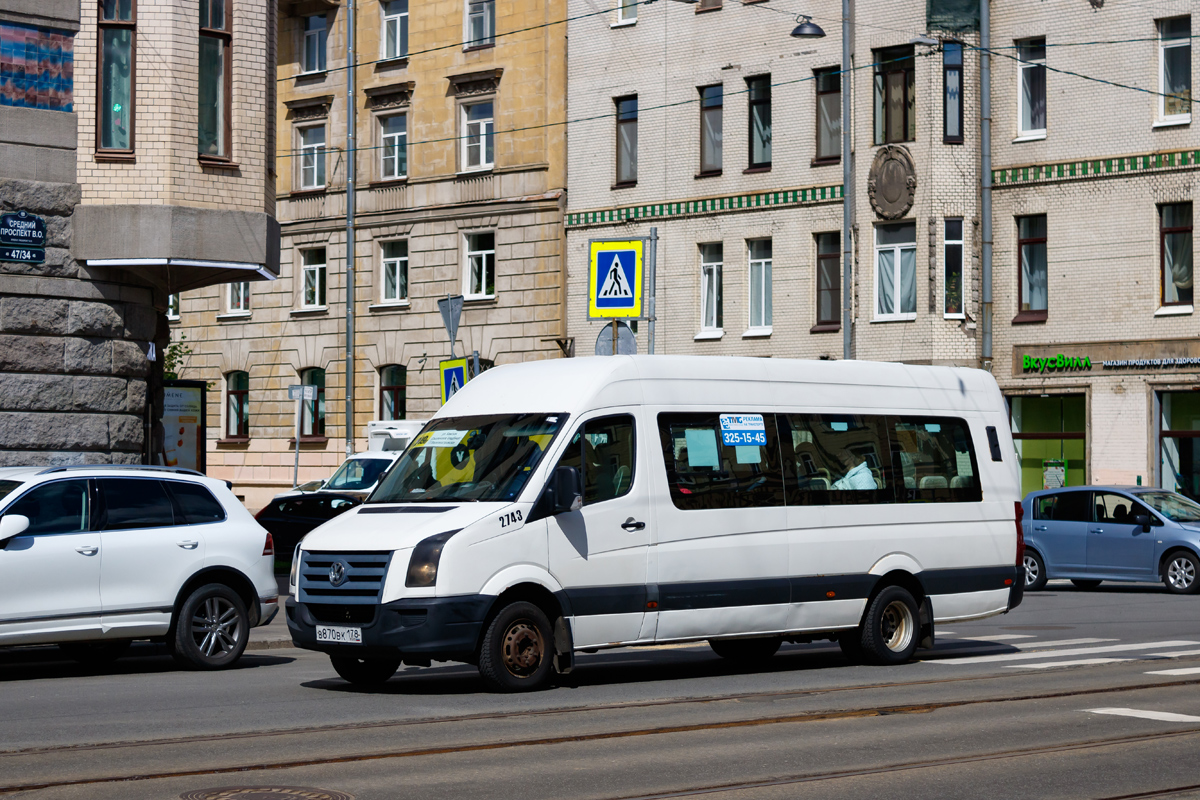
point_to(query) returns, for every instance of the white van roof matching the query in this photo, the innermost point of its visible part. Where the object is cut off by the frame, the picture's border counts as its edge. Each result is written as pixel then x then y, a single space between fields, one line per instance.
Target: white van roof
pixel 569 385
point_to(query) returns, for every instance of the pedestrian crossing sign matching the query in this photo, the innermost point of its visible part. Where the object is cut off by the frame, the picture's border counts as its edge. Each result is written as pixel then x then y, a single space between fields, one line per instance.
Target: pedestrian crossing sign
pixel 454 377
pixel 615 278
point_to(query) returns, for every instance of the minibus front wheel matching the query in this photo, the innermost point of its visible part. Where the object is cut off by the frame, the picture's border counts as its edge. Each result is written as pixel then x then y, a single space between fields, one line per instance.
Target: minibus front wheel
pixel 517 651
pixel 891 628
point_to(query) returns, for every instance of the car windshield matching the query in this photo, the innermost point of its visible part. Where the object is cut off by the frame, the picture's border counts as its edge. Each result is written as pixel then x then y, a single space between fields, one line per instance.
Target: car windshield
pixel 480 459
pixel 1174 507
pixel 6 487
pixel 358 473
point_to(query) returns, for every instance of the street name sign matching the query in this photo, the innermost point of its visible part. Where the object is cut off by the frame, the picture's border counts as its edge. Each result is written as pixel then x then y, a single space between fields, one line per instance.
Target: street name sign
pixel 22 237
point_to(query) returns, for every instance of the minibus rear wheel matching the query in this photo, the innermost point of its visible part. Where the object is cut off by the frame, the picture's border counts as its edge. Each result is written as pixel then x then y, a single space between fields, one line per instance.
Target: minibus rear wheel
pixel 745 650
pixel 891 628
pixel 517 652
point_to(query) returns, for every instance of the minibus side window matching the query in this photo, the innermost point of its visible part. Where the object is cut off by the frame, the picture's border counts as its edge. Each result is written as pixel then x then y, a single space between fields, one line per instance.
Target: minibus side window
pixel 836 459
pixel 935 460
pixel 704 473
pixel 603 451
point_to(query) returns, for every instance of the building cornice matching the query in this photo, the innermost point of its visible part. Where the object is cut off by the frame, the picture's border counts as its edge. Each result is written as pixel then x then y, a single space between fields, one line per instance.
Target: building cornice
pixel 485 81
pixel 1094 168
pixel 702 206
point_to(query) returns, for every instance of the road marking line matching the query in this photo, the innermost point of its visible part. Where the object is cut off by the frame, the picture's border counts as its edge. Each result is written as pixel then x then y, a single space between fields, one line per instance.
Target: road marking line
pixel 1076 663
pixel 1183 671
pixel 1002 638
pixel 1077 651
pixel 1179 653
pixel 1161 716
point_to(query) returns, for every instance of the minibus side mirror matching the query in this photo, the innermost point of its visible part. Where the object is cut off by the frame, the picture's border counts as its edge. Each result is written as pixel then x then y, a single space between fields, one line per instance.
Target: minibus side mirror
pixel 568 490
pixel 12 525
pixel 1144 521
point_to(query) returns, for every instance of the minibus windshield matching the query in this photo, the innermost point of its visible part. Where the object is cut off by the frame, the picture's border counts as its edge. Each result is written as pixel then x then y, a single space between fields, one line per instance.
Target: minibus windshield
pixel 358 473
pixel 476 459
pixel 1174 507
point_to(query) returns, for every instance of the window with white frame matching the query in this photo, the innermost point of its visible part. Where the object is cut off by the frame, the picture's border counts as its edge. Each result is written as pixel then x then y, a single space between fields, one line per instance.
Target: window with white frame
pixel 393 133
pixel 1031 101
pixel 313 267
pixel 312 157
pixel 896 271
pixel 712 310
pixel 952 307
pixel 173 306
pixel 1175 69
pixel 478 136
pixel 395 28
pixel 627 12
pixel 760 284
pixel 239 297
pixel 395 271
pixel 316 32
pixel 481 23
pixel 481 265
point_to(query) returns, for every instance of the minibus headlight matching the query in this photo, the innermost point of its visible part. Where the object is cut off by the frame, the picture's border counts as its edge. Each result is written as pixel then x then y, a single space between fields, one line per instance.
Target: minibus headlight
pixel 423 565
pixel 294 578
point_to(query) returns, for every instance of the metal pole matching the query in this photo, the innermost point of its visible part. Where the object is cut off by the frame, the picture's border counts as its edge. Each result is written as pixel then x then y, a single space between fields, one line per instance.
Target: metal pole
pixel 652 266
pixel 351 162
pixel 985 168
pixel 847 188
pixel 614 329
pixel 296 465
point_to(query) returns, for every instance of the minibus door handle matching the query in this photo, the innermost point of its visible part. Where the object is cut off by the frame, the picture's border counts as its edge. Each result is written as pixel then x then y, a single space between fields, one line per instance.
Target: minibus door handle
pixel 632 525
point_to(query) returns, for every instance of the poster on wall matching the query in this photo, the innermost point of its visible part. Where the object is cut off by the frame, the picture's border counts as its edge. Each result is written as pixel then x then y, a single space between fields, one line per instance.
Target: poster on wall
pixel 183 424
pixel 1054 474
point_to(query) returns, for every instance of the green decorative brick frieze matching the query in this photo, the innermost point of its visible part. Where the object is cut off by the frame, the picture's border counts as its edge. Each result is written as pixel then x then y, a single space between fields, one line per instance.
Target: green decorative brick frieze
pixel 809 195
pixel 1095 168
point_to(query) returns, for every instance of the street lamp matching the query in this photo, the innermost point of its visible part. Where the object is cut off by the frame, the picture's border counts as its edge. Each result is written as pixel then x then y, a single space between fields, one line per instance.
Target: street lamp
pixel 807 29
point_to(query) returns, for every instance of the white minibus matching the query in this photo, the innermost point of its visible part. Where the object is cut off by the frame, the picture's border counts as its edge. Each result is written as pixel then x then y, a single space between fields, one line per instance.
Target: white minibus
pixel 561 506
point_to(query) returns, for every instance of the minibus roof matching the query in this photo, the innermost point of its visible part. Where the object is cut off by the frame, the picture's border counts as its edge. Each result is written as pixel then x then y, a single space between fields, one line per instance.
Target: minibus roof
pixel 573 385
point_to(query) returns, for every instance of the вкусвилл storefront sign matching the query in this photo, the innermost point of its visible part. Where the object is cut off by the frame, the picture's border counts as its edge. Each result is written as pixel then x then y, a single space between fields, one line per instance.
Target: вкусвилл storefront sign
pixel 1090 358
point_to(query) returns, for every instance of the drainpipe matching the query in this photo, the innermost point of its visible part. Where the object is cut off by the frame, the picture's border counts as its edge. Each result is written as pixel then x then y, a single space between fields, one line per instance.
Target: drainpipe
pixel 847 184
pixel 985 167
pixel 351 163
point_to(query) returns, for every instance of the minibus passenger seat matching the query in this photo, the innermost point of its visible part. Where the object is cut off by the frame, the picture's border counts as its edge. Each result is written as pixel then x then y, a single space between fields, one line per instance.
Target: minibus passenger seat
pixel 933 482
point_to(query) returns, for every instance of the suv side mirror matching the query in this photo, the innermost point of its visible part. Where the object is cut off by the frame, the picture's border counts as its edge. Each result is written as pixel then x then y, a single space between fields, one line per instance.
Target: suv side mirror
pixel 567 487
pixel 12 525
pixel 1144 521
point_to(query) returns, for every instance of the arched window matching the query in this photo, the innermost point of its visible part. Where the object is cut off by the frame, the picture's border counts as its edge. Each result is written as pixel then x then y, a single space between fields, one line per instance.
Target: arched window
pixel 237 417
pixel 312 413
pixel 393 380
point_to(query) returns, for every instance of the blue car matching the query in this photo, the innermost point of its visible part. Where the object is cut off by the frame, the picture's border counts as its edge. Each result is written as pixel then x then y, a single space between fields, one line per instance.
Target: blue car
pixel 1111 533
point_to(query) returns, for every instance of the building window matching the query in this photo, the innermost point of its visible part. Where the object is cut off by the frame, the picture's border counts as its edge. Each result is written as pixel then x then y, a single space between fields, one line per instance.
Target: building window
pixel 953 306
pixel 1050 437
pixel 393 382
pixel 173 307
pixel 760 284
pixel 895 95
pixel 829 115
pixel 312 157
pixel 706 5
pixel 479 138
pixel 394 134
pixel 1031 64
pixel 896 271
pixel 710 129
pixel 313 266
pixel 395 28
pixel 118 36
pixel 1175 232
pixel 1179 443
pixel 1175 69
pixel 952 89
pixel 627 12
pixel 1031 265
pixel 312 412
pixel 316 31
pixel 239 296
pixel 216 43
pixel 627 140
pixel 237 415
pixel 760 121
pixel 481 265
pixel 481 23
pixel 395 272
pixel 712 310
pixel 829 280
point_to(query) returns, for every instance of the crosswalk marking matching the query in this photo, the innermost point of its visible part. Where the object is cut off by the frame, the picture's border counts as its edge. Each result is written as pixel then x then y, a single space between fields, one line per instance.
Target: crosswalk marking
pixel 1178 653
pixel 1075 651
pixel 1181 671
pixel 1161 716
pixel 988 648
pixel 1002 638
pixel 1076 663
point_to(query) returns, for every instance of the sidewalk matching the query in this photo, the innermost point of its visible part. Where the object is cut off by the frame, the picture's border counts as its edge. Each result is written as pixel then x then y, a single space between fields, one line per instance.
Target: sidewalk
pixel 274 635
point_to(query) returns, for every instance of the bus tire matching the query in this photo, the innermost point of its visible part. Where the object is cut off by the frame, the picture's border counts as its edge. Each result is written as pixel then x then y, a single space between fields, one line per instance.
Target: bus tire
pixel 517 653
pixel 891 628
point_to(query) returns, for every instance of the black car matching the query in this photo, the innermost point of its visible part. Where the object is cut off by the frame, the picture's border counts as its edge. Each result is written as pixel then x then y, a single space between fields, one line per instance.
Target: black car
pixel 290 518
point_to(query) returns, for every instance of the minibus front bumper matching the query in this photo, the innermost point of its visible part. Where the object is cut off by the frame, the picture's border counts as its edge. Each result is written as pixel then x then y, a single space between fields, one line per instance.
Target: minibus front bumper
pixel 441 628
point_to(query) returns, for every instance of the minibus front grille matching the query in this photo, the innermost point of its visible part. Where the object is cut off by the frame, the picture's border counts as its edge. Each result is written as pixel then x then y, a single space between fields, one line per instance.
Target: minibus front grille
pixel 361 577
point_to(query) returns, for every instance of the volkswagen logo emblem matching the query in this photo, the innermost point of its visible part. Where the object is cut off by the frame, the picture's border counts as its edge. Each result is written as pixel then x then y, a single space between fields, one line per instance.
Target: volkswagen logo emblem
pixel 337 573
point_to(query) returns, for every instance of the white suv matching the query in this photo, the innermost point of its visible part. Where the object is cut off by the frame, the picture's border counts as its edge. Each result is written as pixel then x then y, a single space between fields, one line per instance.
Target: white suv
pixel 93 557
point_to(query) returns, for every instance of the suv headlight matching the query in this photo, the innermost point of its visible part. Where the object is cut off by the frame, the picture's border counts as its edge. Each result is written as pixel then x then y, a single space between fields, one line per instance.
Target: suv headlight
pixel 423 565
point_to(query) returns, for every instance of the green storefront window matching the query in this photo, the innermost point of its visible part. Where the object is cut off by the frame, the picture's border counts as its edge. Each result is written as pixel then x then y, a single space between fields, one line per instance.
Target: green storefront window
pixel 1179 442
pixel 1050 429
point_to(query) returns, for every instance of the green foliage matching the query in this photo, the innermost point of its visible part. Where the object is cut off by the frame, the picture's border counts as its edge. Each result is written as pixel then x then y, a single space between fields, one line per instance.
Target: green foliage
pixel 173 360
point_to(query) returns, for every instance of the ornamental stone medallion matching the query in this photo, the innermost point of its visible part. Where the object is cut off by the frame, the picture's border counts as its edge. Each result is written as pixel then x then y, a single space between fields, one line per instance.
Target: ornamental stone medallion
pixel 892 183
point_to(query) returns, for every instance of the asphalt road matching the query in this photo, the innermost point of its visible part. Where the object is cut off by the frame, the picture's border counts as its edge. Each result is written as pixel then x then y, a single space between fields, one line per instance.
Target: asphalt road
pixel 1074 695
